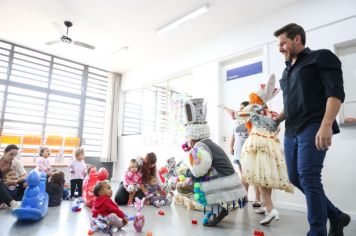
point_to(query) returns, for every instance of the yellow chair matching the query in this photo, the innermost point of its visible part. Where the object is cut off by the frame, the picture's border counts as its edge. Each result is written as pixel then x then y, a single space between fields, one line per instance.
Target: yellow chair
pixel 7 140
pixel 69 145
pixel 55 145
pixel 30 147
pixel 10 139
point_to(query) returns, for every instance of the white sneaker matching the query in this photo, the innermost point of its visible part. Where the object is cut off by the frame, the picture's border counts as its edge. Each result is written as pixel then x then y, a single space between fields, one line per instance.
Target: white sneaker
pixel 273 215
pixel 261 210
pixel 14 204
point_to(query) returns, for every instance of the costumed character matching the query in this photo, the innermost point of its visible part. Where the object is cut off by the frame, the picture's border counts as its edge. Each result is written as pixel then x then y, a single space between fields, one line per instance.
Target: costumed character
pixel 261 157
pixel 214 176
pixel 184 186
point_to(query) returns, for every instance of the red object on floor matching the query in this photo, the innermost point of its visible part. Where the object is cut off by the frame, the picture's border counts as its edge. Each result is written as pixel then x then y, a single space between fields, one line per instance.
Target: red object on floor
pixel 90 232
pixel 194 222
pixel 161 213
pixel 149 233
pixel 258 233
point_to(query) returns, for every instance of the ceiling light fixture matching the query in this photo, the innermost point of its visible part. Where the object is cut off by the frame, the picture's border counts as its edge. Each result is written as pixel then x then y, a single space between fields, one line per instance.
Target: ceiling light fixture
pixel 181 20
pixel 120 50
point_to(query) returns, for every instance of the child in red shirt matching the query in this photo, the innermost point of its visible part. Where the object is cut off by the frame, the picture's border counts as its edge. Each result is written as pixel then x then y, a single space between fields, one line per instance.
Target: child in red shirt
pixel 105 209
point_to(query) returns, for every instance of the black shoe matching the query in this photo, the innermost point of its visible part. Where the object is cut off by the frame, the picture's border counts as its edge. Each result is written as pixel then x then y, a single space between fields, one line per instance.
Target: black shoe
pixel 337 226
pixel 216 220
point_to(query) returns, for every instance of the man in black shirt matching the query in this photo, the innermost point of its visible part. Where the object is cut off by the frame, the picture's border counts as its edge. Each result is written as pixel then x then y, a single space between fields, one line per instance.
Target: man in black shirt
pixel 313 91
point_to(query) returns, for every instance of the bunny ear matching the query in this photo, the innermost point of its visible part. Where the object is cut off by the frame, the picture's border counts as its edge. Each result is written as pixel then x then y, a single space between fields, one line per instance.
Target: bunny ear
pixel 271 89
pixel 270 86
pixel 204 110
pixel 189 111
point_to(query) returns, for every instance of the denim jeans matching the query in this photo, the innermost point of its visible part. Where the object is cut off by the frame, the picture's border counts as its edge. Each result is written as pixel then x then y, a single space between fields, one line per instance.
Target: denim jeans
pixel 304 163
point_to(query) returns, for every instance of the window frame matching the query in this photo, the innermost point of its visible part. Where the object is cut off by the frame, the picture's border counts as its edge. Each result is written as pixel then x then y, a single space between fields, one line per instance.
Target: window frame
pixel 51 64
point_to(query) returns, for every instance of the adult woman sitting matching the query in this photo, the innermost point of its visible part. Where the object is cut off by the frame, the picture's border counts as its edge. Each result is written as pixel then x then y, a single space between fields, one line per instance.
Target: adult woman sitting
pixel 8 161
pixel 148 169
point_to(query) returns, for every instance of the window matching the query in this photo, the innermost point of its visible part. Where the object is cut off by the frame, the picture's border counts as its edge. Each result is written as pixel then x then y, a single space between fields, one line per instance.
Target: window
pixel 94 114
pixel 155 115
pixel 156 109
pixel 145 111
pixel 41 94
pixel 132 112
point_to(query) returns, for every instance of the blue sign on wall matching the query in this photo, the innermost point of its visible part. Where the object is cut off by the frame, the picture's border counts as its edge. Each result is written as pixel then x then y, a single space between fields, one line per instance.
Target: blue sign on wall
pixel 243 71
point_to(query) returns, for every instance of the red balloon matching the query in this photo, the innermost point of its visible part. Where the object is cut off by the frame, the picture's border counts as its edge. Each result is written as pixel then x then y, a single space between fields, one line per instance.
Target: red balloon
pixel 88 186
pixel 103 174
pixel 89 183
pixel 162 171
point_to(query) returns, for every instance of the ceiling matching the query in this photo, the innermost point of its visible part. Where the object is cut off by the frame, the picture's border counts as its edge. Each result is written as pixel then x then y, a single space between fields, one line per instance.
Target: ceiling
pixel 110 25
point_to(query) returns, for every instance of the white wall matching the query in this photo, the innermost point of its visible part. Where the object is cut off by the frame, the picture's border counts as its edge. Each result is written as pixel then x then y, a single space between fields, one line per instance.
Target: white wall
pixel 327 22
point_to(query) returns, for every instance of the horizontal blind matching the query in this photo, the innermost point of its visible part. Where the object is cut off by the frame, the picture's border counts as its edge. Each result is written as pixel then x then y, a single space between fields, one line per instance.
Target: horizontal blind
pixel 62 116
pixel 94 115
pixel 4 65
pixel 27 93
pixel 132 112
pixel 44 95
pixel 64 100
pixel 24 111
pixel 162 110
pixel 149 109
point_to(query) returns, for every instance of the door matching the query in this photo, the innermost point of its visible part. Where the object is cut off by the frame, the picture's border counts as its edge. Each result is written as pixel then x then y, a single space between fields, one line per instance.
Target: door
pixel 347 114
pixel 235 91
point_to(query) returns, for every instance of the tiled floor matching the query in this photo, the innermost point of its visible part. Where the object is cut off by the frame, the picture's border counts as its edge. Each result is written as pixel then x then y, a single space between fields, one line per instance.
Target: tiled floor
pixel 62 221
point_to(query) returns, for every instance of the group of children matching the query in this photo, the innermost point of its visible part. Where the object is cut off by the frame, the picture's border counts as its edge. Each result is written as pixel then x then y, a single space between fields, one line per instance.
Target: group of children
pixel 55 178
pixel 152 190
pixel 104 209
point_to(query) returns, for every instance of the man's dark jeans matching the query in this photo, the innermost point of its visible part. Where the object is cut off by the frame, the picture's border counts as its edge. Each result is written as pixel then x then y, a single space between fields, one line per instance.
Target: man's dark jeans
pixel 304 163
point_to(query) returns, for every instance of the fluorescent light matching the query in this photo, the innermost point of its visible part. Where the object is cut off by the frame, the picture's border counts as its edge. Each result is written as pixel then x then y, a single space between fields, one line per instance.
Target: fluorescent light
pixel 181 20
pixel 120 50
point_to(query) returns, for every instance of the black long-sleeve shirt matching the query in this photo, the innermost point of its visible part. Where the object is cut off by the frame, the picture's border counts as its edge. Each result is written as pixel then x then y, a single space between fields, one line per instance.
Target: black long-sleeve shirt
pixel 306 85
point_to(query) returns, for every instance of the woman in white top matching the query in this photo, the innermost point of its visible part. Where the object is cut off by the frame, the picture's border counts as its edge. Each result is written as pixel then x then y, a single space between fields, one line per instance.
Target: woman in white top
pixel 8 161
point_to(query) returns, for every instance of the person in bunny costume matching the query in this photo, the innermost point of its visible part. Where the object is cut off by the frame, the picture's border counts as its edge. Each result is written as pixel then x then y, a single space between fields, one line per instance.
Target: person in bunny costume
pixel 261 157
pixel 211 168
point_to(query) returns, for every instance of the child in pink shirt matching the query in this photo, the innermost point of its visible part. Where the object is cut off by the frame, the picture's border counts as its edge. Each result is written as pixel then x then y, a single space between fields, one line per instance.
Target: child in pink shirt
pixel 78 170
pixel 43 163
pixel 133 181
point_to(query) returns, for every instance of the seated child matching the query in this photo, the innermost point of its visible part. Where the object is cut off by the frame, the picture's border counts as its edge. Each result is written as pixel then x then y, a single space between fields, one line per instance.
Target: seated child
pixel 54 188
pixel 156 195
pixel 133 181
pixel 105 210
pixel 43 163
pixel 10 180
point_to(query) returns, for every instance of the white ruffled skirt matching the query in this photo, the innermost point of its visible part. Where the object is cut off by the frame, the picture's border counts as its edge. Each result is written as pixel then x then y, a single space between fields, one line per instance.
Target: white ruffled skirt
pixel 262 161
